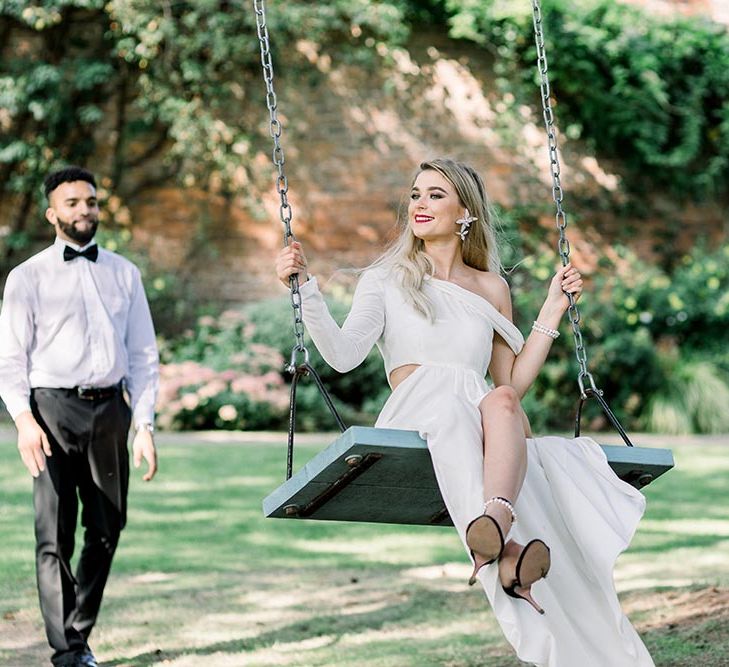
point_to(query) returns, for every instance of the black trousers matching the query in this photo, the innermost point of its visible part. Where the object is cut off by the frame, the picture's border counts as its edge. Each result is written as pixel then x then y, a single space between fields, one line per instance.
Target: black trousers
pixel 89 462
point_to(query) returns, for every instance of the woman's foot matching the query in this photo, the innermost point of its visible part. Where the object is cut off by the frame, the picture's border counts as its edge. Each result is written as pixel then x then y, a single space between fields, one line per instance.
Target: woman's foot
pixel 520 567
pixel 485 534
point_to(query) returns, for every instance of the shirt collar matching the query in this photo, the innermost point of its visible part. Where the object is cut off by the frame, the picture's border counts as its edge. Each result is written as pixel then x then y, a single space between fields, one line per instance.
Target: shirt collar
pixel 61 244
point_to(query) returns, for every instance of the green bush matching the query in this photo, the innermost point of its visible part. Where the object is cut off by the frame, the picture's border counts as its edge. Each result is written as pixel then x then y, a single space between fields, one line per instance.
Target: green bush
pixel 216 376
pixel 228 372
pixel 352 392
pixel 690 307
pixel 693 400
pixel 651 92
pixel 656 344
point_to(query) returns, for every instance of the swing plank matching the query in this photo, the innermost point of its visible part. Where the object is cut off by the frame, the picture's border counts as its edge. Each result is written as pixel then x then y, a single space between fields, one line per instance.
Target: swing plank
pixel 386 476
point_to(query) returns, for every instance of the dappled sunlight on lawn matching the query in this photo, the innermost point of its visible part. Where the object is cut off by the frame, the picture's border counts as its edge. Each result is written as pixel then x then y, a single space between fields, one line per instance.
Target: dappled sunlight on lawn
pixel 449 576
pixel 677 567
pixel 296 618
pixel 201 577
pixel 384 548
pixel 150 578
pixel 697 526
pixel 188 516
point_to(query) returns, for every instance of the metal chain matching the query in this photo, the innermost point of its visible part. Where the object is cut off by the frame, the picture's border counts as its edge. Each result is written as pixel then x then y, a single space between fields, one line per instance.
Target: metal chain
pixel 282 184
pixel 557 195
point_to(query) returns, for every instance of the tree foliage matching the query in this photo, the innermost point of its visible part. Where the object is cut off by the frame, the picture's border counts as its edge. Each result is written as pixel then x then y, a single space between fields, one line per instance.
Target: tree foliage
pixel 146 92
pixel 650 92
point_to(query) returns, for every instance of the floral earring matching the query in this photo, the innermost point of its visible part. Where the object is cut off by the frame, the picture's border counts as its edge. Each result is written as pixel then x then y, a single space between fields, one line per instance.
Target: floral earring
pixel 465 223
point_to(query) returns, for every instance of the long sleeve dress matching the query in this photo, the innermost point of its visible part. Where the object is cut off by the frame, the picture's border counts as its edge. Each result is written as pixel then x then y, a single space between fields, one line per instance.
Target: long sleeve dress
pixel 571 498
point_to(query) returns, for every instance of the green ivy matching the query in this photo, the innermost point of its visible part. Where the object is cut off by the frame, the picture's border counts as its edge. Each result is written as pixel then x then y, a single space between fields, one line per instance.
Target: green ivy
pixel 149 84
pixel 649 335
pixel 650 92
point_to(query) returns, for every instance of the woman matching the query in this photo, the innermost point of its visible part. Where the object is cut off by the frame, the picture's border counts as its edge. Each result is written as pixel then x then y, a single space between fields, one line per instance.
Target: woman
pixel 440 313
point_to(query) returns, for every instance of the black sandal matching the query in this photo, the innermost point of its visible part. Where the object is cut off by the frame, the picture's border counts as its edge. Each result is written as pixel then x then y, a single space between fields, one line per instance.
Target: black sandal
pixel 484 537
pixel 533 565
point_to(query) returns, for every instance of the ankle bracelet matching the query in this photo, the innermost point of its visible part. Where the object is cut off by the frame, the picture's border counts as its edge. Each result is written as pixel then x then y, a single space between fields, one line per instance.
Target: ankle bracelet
pixel 501 501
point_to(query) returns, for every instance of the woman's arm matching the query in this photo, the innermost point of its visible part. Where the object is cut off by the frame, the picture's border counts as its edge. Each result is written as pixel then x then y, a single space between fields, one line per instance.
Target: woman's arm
pixel 346 347
pixel 521 371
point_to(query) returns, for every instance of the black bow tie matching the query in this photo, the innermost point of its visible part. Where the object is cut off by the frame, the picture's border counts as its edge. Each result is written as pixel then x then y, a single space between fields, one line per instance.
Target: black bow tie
pixel 91 253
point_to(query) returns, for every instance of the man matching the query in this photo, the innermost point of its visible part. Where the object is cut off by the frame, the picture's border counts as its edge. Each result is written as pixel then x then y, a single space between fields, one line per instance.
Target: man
pixel 75 334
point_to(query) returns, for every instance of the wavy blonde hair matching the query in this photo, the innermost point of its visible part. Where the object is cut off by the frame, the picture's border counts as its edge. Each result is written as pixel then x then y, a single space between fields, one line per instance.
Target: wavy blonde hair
pixel 480 250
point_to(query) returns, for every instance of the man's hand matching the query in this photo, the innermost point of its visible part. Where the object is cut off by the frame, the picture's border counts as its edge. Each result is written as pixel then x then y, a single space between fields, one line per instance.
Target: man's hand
pixel 33 443
pixel 143 448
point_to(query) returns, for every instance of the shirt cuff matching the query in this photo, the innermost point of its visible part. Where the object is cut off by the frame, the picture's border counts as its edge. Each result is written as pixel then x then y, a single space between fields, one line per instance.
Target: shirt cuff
pixel 17 406
pixel 142 416
pixel 309 288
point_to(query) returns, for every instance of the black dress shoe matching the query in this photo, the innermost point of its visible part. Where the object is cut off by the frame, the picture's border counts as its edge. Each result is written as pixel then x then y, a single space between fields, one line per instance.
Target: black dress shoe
pixel 66 660
pixel 86 659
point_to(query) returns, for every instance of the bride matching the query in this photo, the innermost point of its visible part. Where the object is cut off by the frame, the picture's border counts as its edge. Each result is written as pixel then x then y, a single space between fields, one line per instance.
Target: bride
pixel 440 313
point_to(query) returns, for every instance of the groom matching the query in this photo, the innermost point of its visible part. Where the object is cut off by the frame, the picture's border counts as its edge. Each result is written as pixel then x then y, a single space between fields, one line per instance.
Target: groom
pixel 78 365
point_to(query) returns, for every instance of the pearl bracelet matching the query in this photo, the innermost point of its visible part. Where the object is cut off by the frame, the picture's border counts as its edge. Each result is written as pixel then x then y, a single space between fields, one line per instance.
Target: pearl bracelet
pixel 540 328
pixel 501 501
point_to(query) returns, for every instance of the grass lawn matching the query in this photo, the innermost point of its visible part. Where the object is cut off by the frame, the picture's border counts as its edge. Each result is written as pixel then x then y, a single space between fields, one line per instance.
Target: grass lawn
pixel 200 578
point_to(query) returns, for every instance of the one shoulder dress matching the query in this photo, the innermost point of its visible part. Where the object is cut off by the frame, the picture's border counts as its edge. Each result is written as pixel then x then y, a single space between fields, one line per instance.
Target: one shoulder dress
pixel 571 498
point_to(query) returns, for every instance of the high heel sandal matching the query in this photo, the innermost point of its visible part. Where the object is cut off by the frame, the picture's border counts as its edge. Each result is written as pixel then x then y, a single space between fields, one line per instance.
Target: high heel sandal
pixel 485 539
pixel 532 565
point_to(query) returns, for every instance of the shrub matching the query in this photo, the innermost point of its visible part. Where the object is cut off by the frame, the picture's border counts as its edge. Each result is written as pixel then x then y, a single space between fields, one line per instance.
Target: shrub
pixel 215 376
pixel 649 91
pixel 352 392
pixel 693 400
pixel 656 343
pixel 228 372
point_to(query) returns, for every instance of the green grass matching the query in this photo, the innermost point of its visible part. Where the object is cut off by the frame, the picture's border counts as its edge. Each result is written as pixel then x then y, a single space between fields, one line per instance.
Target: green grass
pixel 201 578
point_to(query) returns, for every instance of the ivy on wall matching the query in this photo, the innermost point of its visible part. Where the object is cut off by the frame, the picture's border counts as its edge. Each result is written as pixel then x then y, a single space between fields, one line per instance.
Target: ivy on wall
pixel 149 92
pixel 650 92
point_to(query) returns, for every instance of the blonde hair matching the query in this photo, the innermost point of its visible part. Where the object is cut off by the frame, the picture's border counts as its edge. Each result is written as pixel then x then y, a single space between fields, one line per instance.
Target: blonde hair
pixel 479 250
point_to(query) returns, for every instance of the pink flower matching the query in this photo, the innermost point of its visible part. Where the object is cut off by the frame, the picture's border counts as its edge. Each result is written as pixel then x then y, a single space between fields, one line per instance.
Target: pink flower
pixel 212 388
pixel 227 412
pixel 190 401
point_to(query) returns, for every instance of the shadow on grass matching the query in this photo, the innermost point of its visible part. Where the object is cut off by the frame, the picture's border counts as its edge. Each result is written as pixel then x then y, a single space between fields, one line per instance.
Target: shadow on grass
pixel 694 632
pixel 408 616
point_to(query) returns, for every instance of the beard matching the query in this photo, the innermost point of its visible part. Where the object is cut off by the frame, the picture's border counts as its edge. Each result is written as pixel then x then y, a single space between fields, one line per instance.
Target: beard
pixel 81 236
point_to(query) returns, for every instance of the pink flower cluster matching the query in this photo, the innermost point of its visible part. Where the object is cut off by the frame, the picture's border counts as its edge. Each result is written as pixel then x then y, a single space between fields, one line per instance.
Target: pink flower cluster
pixel 188 385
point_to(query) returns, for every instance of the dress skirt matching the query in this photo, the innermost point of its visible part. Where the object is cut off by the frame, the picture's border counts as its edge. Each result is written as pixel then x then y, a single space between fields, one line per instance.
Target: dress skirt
pixel 571 499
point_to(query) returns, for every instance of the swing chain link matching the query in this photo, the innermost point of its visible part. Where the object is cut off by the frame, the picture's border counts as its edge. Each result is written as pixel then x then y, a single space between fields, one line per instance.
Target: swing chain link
pixel 282 184
pixel 557 196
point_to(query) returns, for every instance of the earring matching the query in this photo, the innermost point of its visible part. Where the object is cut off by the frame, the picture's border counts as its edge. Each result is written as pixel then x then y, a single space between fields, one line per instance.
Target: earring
pixel 465 223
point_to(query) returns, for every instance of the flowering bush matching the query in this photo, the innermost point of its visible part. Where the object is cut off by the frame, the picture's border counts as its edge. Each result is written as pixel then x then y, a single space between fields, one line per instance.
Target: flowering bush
pixel 216 377
pixel 656 344
pixel 228 372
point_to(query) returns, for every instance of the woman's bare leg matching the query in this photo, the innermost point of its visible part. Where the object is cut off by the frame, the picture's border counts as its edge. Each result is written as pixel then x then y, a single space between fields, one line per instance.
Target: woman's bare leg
pixel 504 450
pixel 504 468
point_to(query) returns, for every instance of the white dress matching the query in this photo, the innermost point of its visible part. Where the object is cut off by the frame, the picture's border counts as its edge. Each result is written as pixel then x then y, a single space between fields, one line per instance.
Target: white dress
pixel 571 499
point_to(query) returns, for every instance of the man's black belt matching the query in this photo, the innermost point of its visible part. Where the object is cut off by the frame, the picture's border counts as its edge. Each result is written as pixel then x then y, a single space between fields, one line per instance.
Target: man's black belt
pixel 98 393
pixel 91 393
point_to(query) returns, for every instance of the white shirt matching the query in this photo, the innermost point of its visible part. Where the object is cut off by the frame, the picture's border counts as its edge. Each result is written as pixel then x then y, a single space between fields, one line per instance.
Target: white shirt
pixel 77 323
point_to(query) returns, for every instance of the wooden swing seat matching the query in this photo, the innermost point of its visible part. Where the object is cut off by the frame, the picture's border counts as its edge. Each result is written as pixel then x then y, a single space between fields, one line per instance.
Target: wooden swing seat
pixel 386 476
